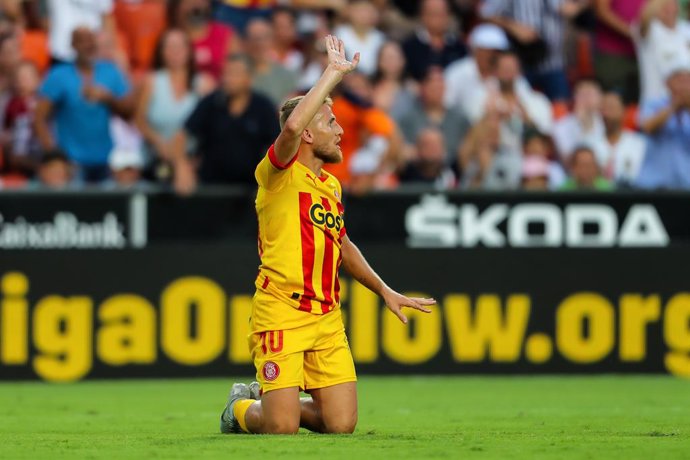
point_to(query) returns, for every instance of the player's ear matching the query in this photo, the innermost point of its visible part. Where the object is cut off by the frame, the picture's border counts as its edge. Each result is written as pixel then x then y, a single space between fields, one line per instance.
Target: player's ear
pixel 308 136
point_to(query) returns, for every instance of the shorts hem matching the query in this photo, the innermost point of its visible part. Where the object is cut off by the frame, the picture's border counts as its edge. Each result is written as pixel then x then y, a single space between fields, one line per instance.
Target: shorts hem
pixel 281 386
pixel 330 383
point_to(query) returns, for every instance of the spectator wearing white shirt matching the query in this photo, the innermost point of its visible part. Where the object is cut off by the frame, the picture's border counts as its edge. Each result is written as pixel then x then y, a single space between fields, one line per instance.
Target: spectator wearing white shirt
pixel 67 15
pixel 517 104
pixel 361 35
pixel 584 126
pixel 463 77
pixel 661 38
pixel 624 149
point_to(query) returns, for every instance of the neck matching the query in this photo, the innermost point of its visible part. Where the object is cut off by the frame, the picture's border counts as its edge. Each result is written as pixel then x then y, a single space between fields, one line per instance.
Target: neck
pixel 238 102
pixel 614 133
pixel 307 158
pixel 84 64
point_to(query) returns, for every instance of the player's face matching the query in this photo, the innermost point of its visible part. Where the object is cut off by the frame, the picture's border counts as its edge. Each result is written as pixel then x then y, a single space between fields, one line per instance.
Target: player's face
pixel 327 134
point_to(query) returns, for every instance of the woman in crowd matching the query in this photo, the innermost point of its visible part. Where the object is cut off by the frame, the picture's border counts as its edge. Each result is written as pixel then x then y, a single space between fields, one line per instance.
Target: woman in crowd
pixel 168 97
pixel 392 92
pixel 212 41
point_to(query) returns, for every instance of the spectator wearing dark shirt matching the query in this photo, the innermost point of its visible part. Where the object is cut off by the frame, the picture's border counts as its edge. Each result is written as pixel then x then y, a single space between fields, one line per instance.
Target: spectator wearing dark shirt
pixel 429 166
pixel 435 43
pixel 233 128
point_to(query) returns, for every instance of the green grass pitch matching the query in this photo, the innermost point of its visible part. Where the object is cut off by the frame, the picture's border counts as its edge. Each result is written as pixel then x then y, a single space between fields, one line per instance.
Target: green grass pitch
pixel 400 417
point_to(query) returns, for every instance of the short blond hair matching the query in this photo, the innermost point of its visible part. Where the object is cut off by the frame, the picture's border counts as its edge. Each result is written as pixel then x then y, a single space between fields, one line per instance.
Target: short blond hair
pixel 289 105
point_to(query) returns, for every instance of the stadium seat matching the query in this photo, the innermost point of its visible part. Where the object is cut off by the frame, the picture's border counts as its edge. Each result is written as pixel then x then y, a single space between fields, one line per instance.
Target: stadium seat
pixel 141 23
pixel 585 61
pixel 560 109
pixel 631 113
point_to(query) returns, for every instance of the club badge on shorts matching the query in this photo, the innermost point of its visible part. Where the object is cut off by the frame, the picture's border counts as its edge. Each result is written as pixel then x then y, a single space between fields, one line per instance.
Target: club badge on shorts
pixel 271 371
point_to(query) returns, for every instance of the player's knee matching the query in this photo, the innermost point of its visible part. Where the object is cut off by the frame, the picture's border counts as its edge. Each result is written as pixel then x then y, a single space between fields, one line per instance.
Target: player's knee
pixel 341 425
pixel 282 427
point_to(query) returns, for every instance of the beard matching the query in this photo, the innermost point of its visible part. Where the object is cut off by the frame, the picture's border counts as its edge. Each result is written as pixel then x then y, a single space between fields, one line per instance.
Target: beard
pixel 328 156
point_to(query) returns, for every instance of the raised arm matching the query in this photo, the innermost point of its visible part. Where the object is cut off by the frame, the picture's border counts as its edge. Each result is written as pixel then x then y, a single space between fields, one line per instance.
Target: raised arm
pixel 289 139
pixel 357 266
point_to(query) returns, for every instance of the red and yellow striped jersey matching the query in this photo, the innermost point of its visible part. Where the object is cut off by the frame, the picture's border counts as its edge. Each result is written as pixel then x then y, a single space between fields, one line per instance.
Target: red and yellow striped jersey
pixel 301 228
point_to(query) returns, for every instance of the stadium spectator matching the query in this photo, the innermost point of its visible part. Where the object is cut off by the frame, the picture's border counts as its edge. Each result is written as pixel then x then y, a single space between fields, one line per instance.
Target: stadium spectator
pixel 126 166
pixel 435 43
pixel 662 39
pixel 535 173
pixel 393 93
pixel 514 101
pixel 212 40
pixel 429 165
pixel 286 44
pixel 66 17
pixel 667 123
pixel 84 93
pixel 239 13
pixel 537 28
pixel 584 125
pixel 55 171
pixel 393 23
pixel 463 77
pixel 615 61
pixel 168 97
pixel 624 149
pixel 487 163
pixel 270 78
pixel 585 173
pixel 233 128
pixel 9 61
pixel 369 134
pixel 360 34
pixel 21 144
pixel 316 60
pixel 540 146
pixel 429 111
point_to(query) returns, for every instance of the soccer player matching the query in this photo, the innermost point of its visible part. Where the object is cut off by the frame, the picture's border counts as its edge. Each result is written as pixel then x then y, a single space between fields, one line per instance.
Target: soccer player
pixel 297 335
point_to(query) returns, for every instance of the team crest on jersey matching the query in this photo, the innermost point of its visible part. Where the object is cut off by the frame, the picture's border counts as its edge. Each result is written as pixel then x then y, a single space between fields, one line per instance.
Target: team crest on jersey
pixel 271 371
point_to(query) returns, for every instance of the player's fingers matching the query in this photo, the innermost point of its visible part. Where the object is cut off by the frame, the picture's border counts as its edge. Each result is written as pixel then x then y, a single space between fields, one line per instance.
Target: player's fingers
pixel 424 301
pixel 355 60
pixel 399 314
pixel 341 47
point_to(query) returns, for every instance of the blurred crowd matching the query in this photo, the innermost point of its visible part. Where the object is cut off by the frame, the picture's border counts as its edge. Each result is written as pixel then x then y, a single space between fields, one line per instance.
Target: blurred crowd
pixel 451 94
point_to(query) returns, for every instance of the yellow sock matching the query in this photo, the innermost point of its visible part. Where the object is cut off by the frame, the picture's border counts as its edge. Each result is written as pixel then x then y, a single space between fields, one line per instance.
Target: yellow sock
pixel 239 410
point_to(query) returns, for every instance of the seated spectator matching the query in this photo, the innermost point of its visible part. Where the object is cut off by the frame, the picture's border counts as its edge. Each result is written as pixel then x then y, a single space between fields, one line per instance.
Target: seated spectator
pixel 514 101
pixel 369 134
pixel 85 93
pixel 316 62
pixel 585 173
pixel 463 77
pixel 535 173
pixel 394 23
pixel 429 165
pixel 126 168
pixel 429 111
pixel 55 171
pixel 435 43
pixel 270 78
pixel 360 34
pixel 168 97
pixel 212 40
pixel 66 17
pixel 486 162
pixel 233 128
pixel 614 60
pixel 667 123
pixel 584 125
pixel 22 147
pixel 624 149
pixel 662 39
pixel 392 92
pixel 539 146
pixel 9 61
pixel 538 24
pixel 286 45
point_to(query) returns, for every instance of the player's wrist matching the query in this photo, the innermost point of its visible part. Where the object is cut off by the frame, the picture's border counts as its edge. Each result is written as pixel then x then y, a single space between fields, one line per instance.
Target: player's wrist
pixel 334 72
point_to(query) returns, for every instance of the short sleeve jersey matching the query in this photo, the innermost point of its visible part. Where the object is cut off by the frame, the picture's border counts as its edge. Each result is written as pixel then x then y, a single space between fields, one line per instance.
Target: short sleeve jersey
pixel 301 229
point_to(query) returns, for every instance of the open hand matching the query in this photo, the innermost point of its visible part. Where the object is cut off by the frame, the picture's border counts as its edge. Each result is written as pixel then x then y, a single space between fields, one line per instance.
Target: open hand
pixel 396 302
pixel 336 56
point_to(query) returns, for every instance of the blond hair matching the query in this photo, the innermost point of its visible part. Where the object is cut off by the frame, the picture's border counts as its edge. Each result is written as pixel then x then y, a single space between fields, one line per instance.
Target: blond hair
pixel 289 105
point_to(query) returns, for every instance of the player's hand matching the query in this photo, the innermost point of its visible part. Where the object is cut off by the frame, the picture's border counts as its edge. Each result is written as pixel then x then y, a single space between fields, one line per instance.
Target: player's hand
pixel 336 56
pixel 396 302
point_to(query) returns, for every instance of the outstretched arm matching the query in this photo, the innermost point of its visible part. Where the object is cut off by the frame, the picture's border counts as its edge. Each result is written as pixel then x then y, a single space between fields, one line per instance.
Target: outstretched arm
pixel 357 266
pixel 289 139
